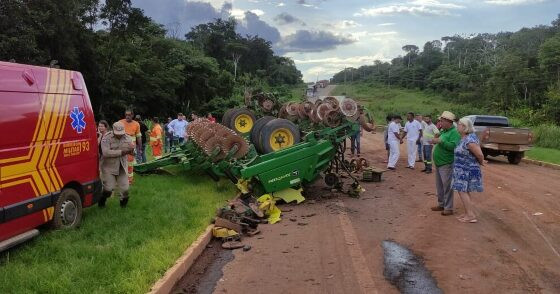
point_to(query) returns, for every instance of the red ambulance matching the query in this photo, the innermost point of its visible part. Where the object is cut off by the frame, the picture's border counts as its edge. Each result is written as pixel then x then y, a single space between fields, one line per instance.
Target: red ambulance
pixel 48 151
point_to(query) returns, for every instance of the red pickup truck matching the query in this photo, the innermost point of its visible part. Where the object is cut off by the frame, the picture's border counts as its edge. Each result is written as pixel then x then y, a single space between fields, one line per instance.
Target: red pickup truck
pixel 48 152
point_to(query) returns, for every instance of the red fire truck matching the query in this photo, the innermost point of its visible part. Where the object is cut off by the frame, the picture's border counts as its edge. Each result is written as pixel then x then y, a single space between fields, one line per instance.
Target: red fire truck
pixel 48 151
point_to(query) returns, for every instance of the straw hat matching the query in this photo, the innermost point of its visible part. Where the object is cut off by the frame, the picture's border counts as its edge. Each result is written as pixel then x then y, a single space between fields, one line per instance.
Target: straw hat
pixel 447 115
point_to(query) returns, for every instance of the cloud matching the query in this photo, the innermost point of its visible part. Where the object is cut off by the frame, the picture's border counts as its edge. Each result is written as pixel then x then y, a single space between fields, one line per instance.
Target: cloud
pixel 180 16
pixel 281 4
pixel 386 24
pixel 416 7
pixel 254 26
pixel 345 24
pixel 514 2
pixel 286 18
pixel 313 41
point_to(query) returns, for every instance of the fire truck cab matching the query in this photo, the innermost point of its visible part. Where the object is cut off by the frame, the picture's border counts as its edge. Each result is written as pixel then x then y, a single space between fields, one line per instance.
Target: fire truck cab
pixel 49 167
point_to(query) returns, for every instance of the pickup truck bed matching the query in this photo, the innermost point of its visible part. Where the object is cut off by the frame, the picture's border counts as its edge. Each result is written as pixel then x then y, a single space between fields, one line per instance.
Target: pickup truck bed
pixel 498 138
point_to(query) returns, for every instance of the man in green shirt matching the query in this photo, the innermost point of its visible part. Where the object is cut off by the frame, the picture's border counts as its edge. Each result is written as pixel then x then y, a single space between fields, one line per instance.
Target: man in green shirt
pixel 444 155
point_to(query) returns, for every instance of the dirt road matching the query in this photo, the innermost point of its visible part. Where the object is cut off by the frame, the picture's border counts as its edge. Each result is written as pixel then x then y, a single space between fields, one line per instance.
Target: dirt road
pixel 333 244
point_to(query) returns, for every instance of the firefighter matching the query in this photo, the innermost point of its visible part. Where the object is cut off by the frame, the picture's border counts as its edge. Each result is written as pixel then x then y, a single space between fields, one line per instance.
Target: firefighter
pixel 115 147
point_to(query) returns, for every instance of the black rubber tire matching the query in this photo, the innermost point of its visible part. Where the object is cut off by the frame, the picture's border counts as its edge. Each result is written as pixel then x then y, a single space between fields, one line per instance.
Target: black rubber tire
pixel 236 113
pixel 256 131
pixel 68 196
pixel 227 117
pixel 515 157
pixel 270 127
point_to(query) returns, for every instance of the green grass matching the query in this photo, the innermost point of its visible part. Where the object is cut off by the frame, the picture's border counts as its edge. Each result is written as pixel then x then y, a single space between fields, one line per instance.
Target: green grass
pixel 544 154
pixel 547 136
pixel 118 250
pixel 382 101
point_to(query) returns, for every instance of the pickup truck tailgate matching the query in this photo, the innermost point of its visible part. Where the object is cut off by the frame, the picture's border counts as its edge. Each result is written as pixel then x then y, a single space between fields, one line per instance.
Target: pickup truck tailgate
pixel 513 136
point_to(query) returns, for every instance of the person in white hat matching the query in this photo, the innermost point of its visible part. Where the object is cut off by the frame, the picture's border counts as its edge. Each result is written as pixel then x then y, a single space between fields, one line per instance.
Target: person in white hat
pixel 444 156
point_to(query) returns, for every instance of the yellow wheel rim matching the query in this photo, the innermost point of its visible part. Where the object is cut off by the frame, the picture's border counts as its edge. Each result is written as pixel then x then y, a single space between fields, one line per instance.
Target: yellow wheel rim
pixel 243 123
pixel 281 138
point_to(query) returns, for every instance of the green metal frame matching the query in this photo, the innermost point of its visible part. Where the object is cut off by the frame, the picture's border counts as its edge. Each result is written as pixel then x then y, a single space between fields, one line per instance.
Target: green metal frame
pixel 290 167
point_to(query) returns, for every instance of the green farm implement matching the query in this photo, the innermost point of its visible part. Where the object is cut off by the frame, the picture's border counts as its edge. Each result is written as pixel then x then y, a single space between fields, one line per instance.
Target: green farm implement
pixel 271 154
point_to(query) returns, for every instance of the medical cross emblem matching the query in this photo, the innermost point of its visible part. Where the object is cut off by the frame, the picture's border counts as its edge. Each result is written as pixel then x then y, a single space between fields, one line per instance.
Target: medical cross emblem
pixel 78 122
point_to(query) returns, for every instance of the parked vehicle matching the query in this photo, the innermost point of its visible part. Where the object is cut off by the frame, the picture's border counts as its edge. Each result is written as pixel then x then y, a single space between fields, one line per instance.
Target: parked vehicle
pixel 48 152
pixel 497 137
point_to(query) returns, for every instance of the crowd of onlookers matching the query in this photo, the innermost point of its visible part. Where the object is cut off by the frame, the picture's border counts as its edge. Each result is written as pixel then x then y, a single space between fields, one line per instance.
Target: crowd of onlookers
pixel 449 144
pixel 124 144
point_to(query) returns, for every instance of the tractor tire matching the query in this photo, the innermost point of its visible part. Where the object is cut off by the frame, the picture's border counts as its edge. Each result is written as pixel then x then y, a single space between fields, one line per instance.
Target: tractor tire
pixel 67 210
pixel 256 131
pixel 278 134
pixel 227 117
pixel 242 121
pixel 515 157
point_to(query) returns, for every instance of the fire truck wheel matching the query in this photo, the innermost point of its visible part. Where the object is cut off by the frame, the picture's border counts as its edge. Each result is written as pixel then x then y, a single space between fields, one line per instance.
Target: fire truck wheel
pixel 256 131
pixel 278 134
pixel 227 117
pixel 242 121
pixel 67 210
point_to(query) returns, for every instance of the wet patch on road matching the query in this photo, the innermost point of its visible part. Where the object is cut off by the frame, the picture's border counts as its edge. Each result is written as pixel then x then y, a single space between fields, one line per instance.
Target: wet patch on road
pixel 406 271
pixel 205 273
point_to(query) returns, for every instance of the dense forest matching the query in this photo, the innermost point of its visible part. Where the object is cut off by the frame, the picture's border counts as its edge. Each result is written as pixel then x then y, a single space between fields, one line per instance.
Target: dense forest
pixel 508 73
pixel 128 60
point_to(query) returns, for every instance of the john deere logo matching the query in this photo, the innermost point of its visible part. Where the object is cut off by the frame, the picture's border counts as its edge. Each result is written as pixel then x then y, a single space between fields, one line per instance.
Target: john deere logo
pixel 295 173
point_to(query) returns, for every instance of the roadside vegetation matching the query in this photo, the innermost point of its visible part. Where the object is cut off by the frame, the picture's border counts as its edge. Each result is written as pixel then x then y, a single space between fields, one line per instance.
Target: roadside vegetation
pixel 382 101
pixel 118 250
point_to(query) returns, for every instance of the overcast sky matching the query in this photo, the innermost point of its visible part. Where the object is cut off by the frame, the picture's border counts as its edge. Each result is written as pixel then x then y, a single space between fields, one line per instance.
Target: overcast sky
pixel 325 36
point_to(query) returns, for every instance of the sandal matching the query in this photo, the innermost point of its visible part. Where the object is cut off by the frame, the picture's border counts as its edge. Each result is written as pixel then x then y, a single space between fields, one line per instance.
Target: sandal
pixel 468 220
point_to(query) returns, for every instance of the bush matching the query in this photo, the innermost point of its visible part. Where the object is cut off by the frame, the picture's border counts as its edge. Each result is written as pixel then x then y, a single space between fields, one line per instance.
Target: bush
pixel 547 135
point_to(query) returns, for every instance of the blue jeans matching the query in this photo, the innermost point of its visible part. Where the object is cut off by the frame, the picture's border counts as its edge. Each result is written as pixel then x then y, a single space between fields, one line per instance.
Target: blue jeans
pixel 141 158
pixel 355 144
pixel 427 150
pixel 420 153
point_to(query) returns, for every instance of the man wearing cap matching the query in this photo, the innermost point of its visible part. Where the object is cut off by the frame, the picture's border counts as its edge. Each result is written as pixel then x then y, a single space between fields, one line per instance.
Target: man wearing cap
pixel 444 156
pixel 115 147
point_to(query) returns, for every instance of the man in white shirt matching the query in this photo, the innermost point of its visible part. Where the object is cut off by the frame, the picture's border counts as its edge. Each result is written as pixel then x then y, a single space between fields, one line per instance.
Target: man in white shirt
pixel 413 133
pixel 177 128
pixel 394 140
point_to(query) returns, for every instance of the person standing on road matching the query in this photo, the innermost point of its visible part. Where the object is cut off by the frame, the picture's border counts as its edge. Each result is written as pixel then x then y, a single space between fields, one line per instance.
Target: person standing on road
pixel 141 152
pixel 388 119
pixel 420 119
pixel 443 159
pixel 394 139
pixel 115 147
pixel 177 128
pixel 155 139
pixel 132 130
pixel 413 132
pixel 467 175
pixel 429 133
pixel 355 143
pixel 168 136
